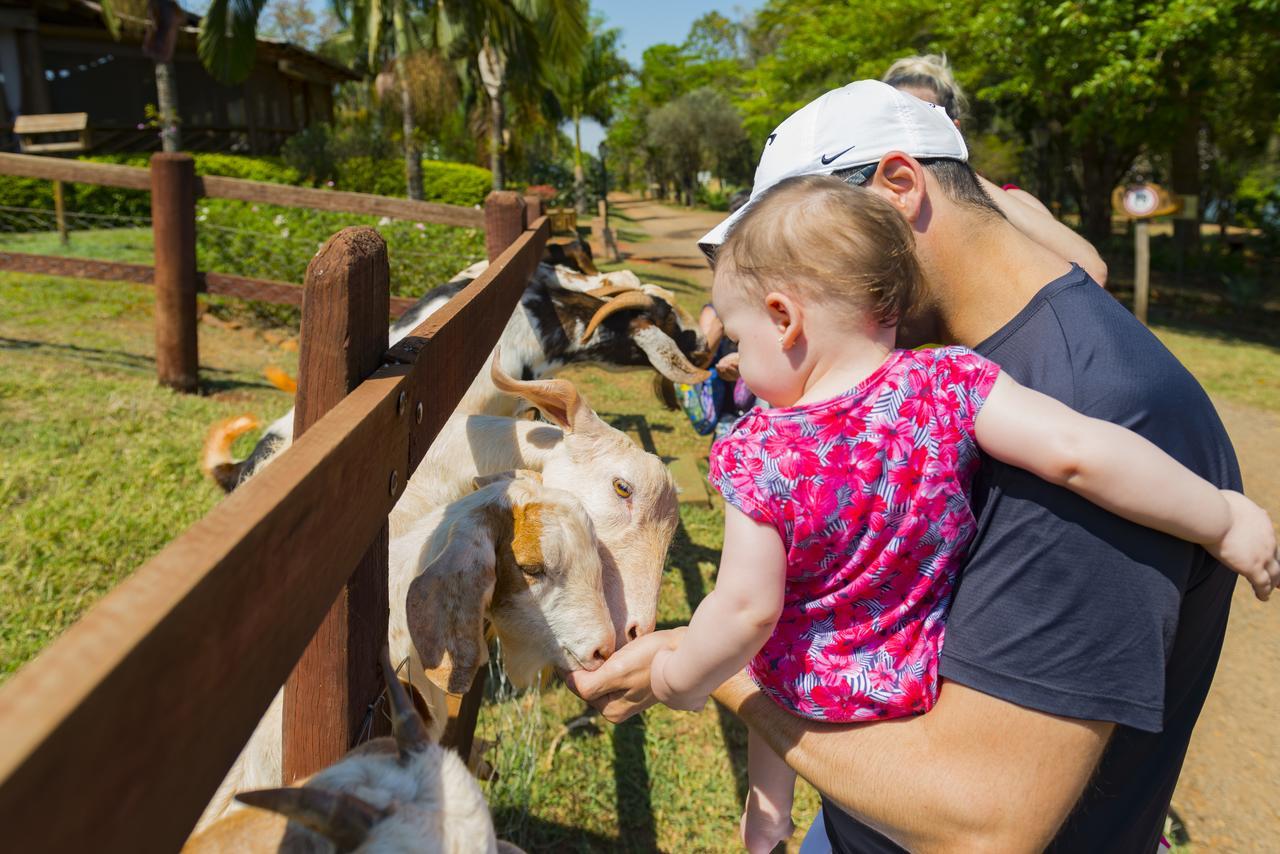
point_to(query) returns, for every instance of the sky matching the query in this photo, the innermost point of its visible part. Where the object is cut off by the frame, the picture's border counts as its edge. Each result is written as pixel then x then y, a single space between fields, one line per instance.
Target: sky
pixel 648 22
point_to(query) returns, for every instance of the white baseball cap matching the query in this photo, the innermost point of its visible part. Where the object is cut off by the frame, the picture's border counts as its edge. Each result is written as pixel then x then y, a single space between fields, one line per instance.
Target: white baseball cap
pixel 854 125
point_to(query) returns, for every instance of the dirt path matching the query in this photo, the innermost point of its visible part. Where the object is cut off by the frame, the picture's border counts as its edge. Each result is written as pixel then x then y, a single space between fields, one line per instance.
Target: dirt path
pixel 1226 794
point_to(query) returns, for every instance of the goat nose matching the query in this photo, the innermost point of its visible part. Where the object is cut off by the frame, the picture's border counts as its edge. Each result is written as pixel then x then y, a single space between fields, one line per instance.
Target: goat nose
pixel 635 630
pixel 605 649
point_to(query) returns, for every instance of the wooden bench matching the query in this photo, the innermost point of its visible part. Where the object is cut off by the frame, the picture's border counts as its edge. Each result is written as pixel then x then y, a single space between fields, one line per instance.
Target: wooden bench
pixel 31 130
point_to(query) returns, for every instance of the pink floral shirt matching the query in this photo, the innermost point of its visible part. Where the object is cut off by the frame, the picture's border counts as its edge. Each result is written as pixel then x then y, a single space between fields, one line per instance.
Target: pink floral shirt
pixel 869 493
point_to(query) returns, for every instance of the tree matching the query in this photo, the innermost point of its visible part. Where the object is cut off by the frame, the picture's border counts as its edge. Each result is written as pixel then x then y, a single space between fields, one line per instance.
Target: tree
pixel 159 21
pixel 697 131
pixel 589 92
pixel 514 45
pixel 296 22
pixel 390 34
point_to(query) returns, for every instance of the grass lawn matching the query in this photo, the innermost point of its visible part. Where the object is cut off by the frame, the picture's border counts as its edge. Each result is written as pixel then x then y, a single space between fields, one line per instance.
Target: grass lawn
pixel 100 472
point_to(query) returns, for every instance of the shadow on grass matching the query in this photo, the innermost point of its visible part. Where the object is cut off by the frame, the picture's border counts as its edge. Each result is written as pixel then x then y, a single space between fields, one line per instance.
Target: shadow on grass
pixel 133 363
pixel 538 835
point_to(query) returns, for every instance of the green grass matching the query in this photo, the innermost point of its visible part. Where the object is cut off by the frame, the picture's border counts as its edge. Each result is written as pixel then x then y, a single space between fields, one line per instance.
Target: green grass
pixel 133 245
pixel 99 462
pixel 99 472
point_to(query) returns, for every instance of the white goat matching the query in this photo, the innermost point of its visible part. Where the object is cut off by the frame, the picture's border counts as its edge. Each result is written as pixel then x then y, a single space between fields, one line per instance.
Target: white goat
pixel 516 550
pixel 565 317
pixel 627 492
pixel 388 796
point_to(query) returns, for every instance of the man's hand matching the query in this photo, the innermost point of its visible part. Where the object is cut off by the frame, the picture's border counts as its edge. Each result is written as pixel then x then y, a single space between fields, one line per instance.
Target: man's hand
pixel 620 687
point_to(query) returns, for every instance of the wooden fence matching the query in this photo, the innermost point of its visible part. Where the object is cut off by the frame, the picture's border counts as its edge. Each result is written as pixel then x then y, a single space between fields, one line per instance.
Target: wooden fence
pixel 117 735
pixel 175 189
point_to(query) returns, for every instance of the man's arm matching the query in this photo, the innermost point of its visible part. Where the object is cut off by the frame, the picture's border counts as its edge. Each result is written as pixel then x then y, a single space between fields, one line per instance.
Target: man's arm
pixel 1038 223
pixel 974 774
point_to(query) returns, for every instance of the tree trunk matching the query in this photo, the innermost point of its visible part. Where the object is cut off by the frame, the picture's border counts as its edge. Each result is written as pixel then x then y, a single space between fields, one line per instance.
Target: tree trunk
pixel 1184 174
pixel 412 156
pixel 167 98
pixel 493 70
pixel 579 179
pixel 1098 177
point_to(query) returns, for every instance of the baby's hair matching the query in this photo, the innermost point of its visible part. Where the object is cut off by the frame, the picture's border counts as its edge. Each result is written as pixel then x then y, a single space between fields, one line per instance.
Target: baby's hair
pixel 930 72
pixel 834 243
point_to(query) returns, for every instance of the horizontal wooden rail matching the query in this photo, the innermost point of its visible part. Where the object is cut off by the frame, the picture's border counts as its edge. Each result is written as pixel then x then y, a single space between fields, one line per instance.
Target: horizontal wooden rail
pixel 338 200
pixel 118 733
pixel 263 192
pixel 223 284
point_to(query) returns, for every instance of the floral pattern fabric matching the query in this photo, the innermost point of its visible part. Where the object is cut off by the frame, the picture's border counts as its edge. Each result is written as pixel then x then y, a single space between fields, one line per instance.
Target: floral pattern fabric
pixel 869 493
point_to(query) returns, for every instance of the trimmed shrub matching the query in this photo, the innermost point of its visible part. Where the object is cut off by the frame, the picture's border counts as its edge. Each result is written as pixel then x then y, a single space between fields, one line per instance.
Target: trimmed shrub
pixel 447 183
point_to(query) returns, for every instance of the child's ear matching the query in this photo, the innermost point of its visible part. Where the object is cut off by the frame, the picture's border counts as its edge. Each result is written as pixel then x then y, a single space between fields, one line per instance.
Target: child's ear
pixel 787 316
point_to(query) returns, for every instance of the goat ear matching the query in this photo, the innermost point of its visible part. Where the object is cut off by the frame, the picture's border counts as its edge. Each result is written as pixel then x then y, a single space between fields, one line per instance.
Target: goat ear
pixel 557 400
pixel 446 604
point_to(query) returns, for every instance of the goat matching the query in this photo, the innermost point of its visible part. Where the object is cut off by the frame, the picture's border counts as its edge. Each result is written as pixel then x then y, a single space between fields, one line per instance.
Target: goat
pixel 627 492
pixel 566 317
pixel 397 794
pixel 516 550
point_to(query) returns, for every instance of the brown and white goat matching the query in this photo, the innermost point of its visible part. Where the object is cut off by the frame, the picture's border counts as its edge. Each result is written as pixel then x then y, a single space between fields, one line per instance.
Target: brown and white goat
pixel 399 794
pixel 519 552
pixel 565 317
pixel 627 492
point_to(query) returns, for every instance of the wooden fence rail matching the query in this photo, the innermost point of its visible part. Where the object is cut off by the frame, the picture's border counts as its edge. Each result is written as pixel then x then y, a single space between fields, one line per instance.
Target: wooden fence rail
pixel 118 733
pixel 174 190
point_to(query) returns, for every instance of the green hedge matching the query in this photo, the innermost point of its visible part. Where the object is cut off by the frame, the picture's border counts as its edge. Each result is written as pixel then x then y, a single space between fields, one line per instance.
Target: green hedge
pixel 447 183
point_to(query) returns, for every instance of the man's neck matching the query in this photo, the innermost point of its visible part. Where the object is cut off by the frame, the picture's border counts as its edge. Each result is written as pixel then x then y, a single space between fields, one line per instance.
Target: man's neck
pixel 982 273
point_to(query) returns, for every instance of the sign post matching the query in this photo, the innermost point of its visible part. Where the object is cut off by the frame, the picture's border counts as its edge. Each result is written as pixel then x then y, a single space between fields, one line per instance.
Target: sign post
pixel 1141 203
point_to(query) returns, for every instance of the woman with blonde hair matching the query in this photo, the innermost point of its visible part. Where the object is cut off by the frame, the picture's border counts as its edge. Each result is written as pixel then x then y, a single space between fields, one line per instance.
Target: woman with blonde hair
pixel 929 78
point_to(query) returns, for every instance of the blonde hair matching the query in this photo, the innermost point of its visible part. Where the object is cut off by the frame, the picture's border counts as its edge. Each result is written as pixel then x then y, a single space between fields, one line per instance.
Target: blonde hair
pixel 829 241
pixel 930 72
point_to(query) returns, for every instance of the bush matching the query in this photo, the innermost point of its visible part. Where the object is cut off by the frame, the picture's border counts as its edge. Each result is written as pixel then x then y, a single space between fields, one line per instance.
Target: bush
pixel 447 183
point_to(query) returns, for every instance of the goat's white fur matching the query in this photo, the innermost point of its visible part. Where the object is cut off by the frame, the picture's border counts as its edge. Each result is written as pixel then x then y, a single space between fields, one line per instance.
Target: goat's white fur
pixel 559 617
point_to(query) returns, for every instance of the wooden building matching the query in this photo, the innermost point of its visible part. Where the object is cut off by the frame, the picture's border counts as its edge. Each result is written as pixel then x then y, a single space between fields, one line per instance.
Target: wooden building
pixel 56 56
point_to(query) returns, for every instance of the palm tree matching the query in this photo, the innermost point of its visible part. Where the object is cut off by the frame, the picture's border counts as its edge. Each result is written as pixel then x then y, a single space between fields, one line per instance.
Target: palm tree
pixel 589 93
pixel 394 29
pixel 516 41
pixel 227 43
pixel 160 21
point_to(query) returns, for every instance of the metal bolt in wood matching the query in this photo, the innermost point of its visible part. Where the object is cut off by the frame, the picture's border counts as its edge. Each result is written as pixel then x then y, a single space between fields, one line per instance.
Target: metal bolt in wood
pixel 417 412
pixel 395 481
pixel 400 402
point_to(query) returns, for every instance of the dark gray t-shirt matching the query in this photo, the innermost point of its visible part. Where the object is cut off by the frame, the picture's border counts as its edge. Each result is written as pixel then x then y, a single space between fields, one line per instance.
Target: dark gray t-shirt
pixel 1065 608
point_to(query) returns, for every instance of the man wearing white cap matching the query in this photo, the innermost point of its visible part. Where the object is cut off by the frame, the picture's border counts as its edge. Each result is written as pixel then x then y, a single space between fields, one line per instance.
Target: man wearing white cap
pixel 1079 647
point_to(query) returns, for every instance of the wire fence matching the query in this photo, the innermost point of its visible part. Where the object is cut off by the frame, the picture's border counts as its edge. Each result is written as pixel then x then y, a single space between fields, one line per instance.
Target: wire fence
pixel 259 241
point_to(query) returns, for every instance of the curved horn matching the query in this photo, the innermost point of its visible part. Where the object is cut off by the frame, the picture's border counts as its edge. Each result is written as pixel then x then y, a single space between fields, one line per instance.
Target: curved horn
pixel 407 727
pixel 342 818
pixel 216 459
pixel 623 302
pixel 665 356
pixel 606 291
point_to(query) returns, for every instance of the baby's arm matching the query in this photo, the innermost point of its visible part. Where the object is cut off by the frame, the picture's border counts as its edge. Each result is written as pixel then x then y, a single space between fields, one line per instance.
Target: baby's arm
pixel 766 820
pixel 1128 475
pixel 733 622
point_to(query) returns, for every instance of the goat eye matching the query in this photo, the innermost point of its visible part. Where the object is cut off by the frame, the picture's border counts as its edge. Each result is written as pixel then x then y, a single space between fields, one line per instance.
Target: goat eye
pixel 622 488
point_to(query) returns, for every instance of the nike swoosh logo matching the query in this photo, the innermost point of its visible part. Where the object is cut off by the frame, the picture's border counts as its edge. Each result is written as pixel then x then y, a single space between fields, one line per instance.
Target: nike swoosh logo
pixel 826 161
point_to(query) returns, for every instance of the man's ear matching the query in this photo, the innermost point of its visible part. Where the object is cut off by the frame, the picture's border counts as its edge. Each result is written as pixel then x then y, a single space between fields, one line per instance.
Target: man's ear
pixel 787 316
pixel 899 179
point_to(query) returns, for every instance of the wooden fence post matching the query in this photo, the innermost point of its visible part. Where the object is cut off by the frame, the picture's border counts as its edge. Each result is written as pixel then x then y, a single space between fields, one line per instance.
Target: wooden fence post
pixel 173 224
pixel 504 213
pixel 532 208
pixel 60 212
pixel 328 698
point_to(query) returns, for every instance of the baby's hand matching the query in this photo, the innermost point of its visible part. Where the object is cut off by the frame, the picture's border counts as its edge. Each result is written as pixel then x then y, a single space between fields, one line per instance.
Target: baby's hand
pixel 762 827
pixel 1249 546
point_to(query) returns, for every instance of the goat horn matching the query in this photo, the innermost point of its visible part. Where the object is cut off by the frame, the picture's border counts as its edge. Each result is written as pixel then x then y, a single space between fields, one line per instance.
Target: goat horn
pixel 606 291
pixel 665 356
pixel 407 727
pixel 344 819
pixel 623 302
